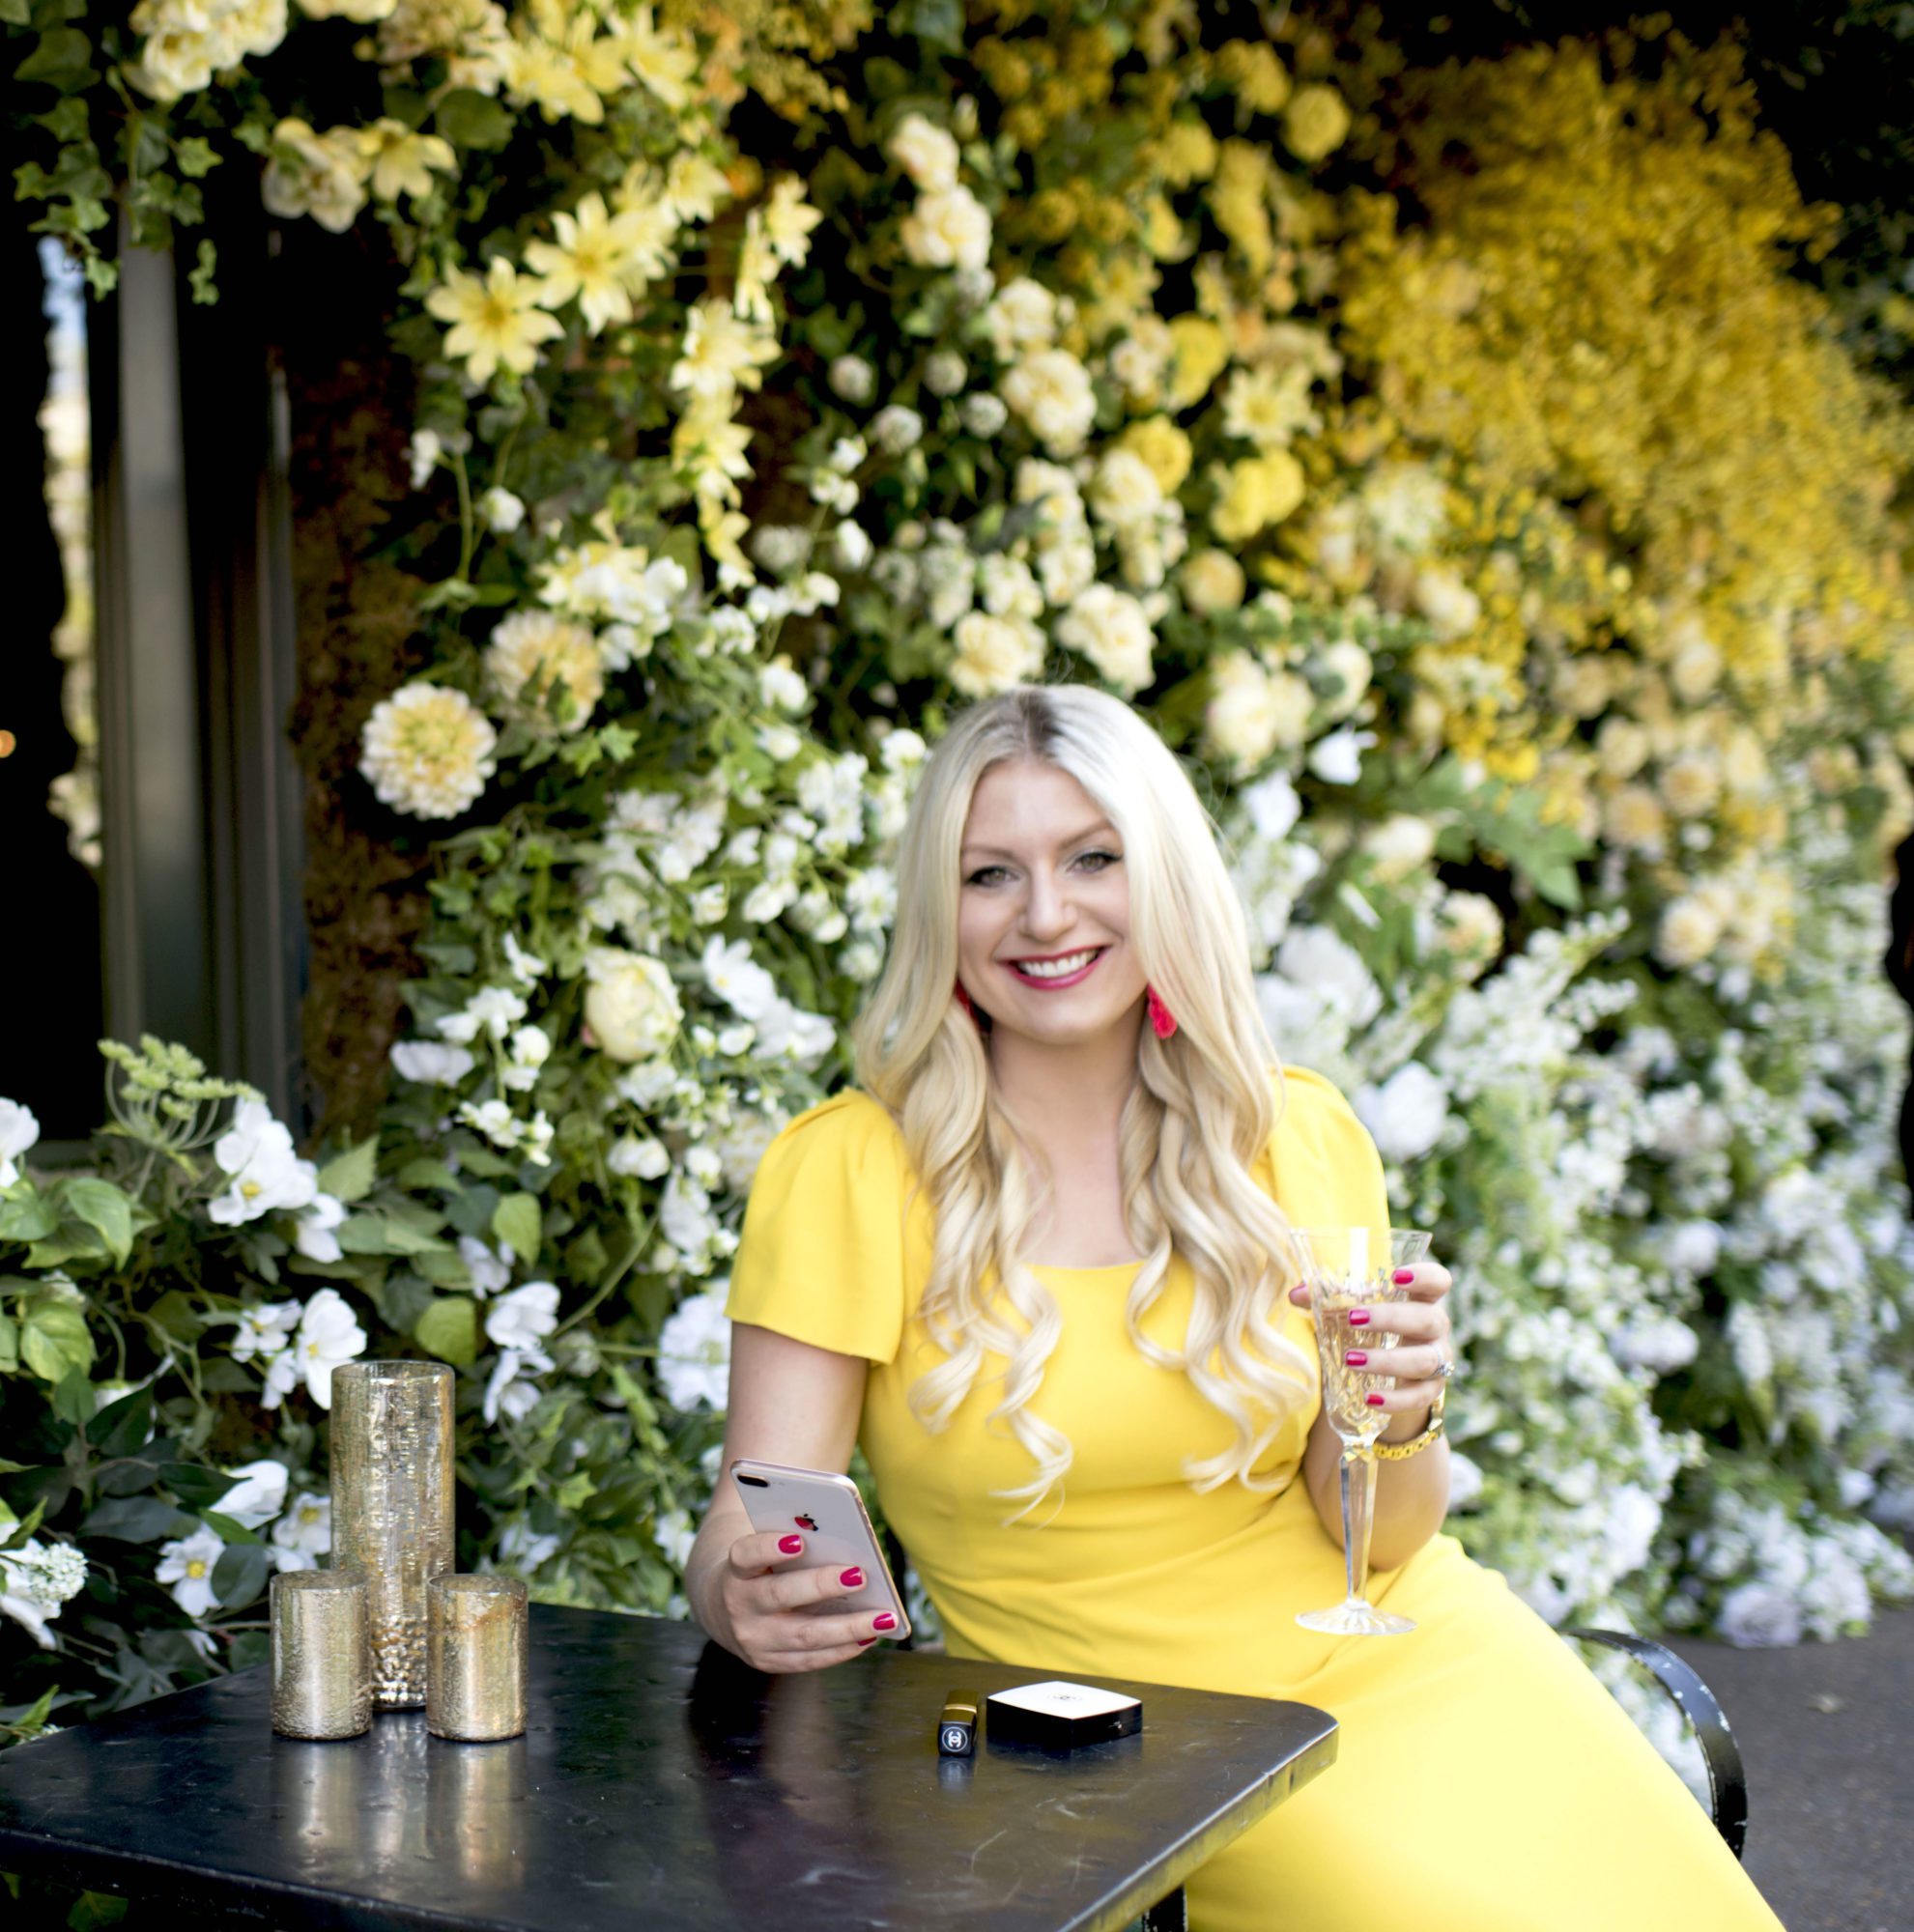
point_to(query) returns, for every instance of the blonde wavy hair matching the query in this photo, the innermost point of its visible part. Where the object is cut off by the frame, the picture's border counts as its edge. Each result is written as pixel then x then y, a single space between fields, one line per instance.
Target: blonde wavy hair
pixel 1199 1114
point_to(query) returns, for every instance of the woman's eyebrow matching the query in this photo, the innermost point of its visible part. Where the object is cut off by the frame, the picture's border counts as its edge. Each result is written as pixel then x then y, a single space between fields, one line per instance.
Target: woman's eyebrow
pixel 1075 838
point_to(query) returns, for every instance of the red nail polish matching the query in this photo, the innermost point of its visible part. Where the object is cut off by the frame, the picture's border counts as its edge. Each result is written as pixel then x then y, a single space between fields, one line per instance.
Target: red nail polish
pixel 791 1546
pixel 1403 1277
pixel 865 1642
pixel 851 1579
pixel 1374 1400
pixel 1358 1318
pixel 1356 1359
pixel 883 1621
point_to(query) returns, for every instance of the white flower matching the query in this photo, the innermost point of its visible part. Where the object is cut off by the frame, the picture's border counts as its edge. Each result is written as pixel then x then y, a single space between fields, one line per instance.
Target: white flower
pixel 1401 845
pixel 303 1534
pixel 1253 711
pixel 312 1232
pixel 258 1497
pixel 1759 1615
pixel 789 1031
pixel 927 153
pixel 639 1157
pixel 1050 389
pixel 1274 805
pixel 1337 759
pixel 1022 315
pixel 983 415
pixel 695 1351
pixel 529 1049
pixel 426 1059
pixel 547 669
pixel 507 1389
pixel 895 429
pixel 523 1317
pixel 522 1548
pixel 329 1334
pixel 1316 958
pixel 1108 627
pixel 499 511
pixel 427 750
pixel 852 378
pixel 1406 1114
pixel 674 1533
pixel 265 1330
pixel 526 968
pixel 493 1011
pixel 19 1131
pixel 1464 1480
pixel 685 1216
pixel 994 653
pixel 256 1155
pixel 490 1268
pixel 782 688
pixel 730 972
pixel 948 228
pixel 188 1565
pixel 423 453
pixel 35 1581
pixel 631 1004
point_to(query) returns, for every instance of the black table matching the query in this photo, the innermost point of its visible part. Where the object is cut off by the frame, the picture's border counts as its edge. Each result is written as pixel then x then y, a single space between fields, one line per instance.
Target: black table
pixel 661 1784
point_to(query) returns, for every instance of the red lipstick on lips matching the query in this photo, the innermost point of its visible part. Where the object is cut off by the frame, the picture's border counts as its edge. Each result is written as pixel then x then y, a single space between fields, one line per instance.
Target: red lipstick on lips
pixel 1067 980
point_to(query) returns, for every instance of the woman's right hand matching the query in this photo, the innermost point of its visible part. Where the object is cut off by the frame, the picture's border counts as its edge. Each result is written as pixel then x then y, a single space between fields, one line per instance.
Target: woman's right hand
pixel 782 1617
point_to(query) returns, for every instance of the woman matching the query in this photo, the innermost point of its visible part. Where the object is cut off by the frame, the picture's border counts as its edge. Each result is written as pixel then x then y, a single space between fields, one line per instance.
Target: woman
pixel 1035 1264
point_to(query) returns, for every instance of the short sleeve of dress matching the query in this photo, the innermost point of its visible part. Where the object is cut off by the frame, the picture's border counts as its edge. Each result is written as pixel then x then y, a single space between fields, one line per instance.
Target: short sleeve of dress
pixel 821 1256
pixel 1327 1172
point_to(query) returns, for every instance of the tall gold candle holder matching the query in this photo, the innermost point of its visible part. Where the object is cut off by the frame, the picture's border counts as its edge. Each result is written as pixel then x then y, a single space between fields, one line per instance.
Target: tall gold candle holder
pixel 392 1491
pixel 476 1679
pixel 321 1656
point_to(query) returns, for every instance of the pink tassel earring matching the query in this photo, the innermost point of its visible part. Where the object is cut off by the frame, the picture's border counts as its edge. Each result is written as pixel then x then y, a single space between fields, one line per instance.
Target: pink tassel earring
pixel 1161 1019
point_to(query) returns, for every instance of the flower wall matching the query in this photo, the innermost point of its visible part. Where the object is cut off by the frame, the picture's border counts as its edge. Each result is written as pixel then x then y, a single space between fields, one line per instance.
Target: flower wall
pixel 1505 545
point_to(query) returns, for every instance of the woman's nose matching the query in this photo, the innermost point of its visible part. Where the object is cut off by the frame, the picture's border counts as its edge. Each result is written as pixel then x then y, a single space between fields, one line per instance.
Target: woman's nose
pixel 1046 907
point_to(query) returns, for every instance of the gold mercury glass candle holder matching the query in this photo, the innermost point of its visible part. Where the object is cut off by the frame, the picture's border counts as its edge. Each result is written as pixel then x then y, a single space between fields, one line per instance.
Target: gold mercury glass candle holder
pixel 392 1491
pixel 475 1681
pixel 321 1656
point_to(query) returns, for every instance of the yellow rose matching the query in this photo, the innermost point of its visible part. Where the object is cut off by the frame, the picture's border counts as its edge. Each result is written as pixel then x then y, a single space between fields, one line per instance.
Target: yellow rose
pixel 1261 82
pixel 1213 581
pixel 1164 446
pixel 1186 152
pixel 1315 124
pixel 1260 491
pixel 1200 352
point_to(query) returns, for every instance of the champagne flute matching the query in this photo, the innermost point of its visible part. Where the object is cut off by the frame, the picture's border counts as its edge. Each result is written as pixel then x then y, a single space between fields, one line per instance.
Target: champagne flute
pixel 1348 1268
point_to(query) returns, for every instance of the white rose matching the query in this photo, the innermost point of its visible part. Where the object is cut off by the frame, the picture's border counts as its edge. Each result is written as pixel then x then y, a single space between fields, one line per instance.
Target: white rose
pixel 948 228
pixel 1052 390
pixel 1400 844
pixel 994 653
pixel 1109 628
pixel 1022 315
pixel 499 511
pixel 695 1353
pixel 631 1004
pixel 927 153
pixel 1406 1114
pixel 523 1317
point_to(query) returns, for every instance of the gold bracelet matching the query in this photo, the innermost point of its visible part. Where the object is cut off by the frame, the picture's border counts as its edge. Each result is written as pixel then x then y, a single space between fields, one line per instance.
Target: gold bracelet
pixel 1396 1452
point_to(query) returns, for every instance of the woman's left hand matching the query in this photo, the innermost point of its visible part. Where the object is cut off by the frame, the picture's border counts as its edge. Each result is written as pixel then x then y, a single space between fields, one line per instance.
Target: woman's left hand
pixel 1422 1323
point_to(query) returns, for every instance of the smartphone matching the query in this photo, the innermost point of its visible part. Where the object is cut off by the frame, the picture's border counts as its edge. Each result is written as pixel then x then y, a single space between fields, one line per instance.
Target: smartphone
pixel 829 1514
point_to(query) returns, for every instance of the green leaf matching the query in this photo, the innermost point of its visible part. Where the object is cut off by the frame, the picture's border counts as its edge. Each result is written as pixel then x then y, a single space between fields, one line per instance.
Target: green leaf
pixel 99 1204
pixel 27 1216
pixel 468 119
pixel 91 1910
pixel 55 1340
pixel 195 1486
pixel 383 1234
pixel 350 1177
pixel 10 1344
pixel 450 1329
pixel 228 1529
pixel 14 13
pixel 61 57
pixel 420 1174
pixel 122 1425
pixel 174 1314
pixel 517 1223
pixel 239 1575
pixel 136 1520
pixel 74 1399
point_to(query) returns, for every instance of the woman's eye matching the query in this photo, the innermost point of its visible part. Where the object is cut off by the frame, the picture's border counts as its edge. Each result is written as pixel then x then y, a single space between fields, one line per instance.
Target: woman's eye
pixel 1098 861
pixel 985 875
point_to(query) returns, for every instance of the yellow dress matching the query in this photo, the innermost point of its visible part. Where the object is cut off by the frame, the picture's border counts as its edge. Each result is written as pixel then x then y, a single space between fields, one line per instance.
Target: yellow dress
pixel 1485 1781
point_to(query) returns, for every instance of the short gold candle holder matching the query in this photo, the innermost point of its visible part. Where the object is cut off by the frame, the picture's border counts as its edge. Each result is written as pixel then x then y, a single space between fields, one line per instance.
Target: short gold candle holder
pixel 322 1653
pixel 476 1651
pixel 392 1494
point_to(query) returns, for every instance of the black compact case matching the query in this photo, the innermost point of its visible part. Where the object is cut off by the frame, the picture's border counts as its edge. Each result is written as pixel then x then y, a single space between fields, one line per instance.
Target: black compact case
pixel 1059 1715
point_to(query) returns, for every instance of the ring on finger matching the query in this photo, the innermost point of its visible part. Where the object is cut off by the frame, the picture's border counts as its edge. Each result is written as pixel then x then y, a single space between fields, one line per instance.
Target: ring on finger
pixel 1448 1369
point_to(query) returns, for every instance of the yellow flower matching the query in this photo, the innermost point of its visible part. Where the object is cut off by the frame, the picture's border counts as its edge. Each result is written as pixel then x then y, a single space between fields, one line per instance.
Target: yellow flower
pixel 602 258
pixel 1315 124
pixel 1186 152
pixel 1690 786
pixel 788 219
pixel 400 161
pixel 1213 581
pixel 713 450
pixel 1252 494
pixel 1261 82
pixel 1200 352
pixel 546 668
pixel 660 59
pixel 1164 446
pixel 494 322
pixel 723 353
pixel 1269 407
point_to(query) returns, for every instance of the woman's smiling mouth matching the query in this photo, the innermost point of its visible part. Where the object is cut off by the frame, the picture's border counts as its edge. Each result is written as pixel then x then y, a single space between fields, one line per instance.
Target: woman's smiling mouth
pixel 1062 969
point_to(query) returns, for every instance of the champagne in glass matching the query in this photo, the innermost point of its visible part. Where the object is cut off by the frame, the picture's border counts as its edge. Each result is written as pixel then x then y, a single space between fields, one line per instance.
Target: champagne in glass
pixel 1347 1268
